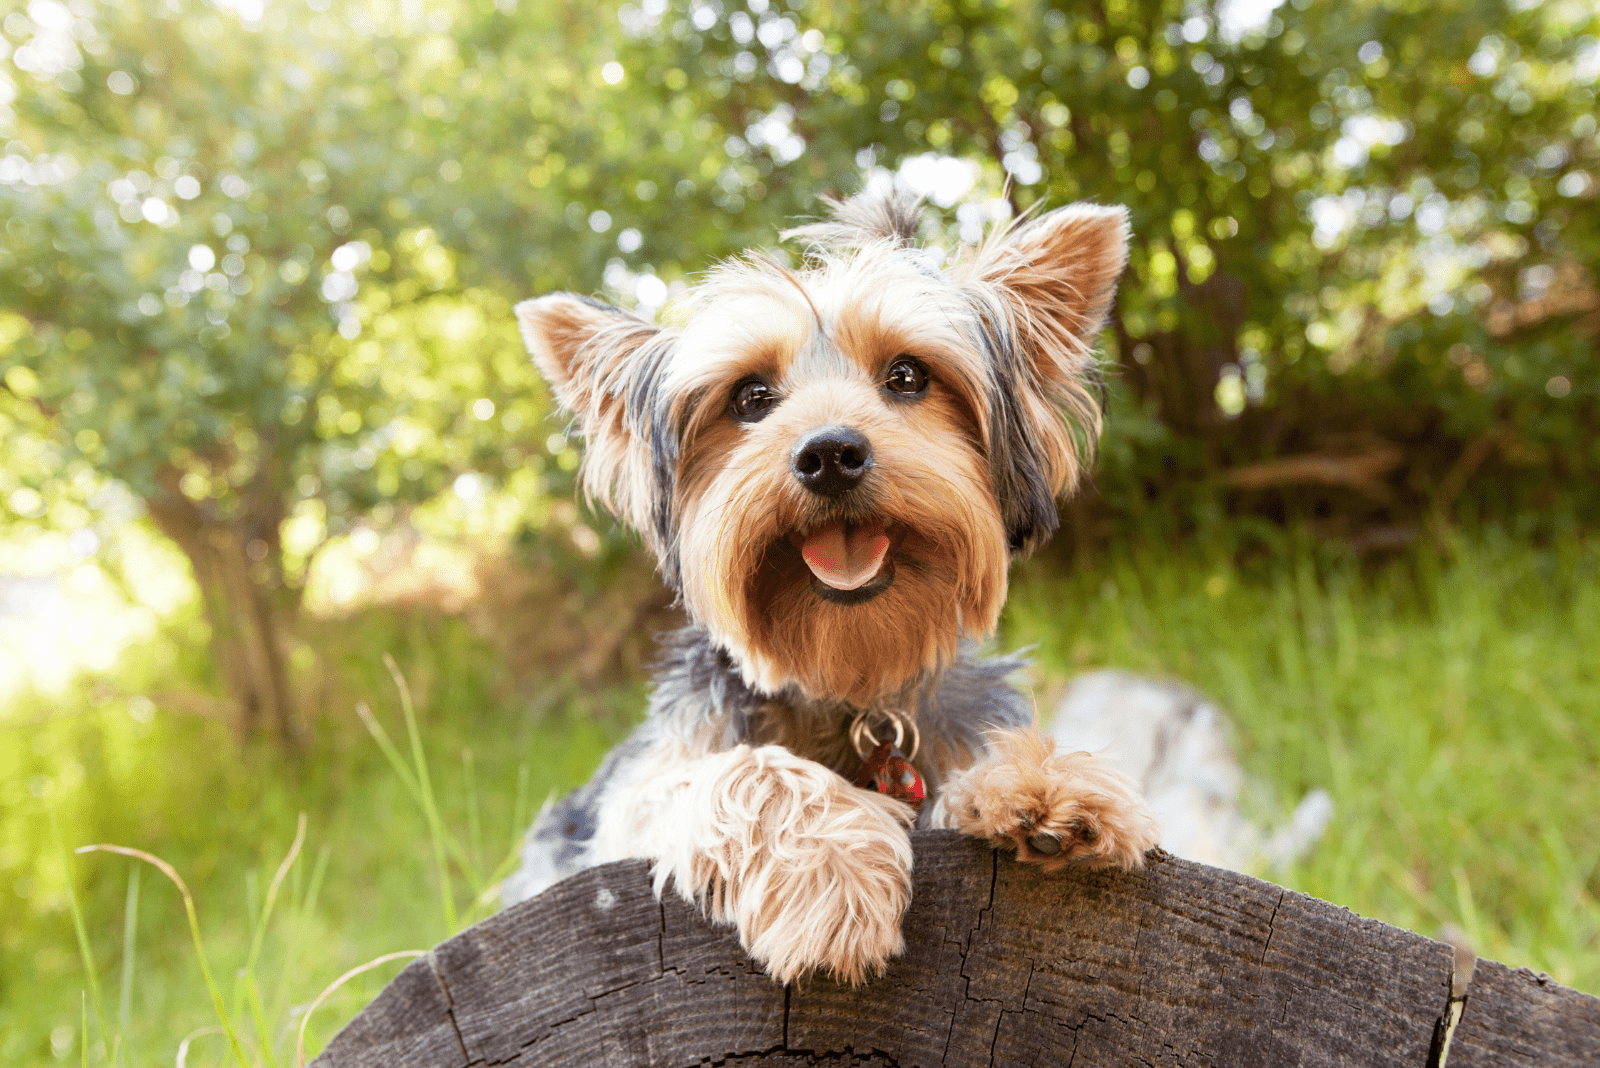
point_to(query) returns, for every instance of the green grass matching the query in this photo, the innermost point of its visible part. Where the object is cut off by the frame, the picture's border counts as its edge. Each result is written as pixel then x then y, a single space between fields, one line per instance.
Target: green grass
pixel 364 884
pixel 1448 701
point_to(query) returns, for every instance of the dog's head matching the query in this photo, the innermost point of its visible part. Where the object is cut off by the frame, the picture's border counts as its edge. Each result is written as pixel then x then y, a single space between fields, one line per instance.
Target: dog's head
pixel 834 465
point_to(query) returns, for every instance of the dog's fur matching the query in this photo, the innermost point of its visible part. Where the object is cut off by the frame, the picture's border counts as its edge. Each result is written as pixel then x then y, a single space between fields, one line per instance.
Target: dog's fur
pixel 734 787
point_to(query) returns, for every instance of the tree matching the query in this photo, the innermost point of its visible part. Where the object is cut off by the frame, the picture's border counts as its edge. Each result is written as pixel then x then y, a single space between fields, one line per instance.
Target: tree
pixel 219 292
pixel 258 260
pixel 1346 217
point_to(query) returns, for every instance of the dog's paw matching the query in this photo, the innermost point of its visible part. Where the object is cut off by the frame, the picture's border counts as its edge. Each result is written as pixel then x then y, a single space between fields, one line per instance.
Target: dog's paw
pixel 1052 808
pixel 831 900
pixel 814 873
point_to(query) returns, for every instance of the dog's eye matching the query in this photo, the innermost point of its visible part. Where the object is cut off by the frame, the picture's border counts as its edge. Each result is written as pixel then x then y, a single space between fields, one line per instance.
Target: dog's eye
pixel 906 376
pixel 752 400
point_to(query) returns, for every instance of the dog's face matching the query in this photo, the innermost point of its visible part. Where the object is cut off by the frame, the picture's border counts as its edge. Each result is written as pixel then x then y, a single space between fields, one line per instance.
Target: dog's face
pixel 834 465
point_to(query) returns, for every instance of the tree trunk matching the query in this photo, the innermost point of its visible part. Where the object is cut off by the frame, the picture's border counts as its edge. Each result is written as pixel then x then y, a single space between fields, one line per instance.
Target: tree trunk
pixel 235 564
pixel 1178 964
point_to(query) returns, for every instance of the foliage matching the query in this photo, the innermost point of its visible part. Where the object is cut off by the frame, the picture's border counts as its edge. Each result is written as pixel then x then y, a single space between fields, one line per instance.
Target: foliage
pixel 1347 218
pixel 258 258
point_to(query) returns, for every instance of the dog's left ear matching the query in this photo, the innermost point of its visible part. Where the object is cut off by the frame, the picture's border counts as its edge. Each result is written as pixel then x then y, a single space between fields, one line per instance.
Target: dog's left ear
pixel 604 366
pixel 1042 291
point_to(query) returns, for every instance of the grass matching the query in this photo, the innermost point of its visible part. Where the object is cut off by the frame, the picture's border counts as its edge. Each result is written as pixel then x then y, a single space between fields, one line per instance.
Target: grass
pixel 1449 702
pixel 365 882
pixel 1446 700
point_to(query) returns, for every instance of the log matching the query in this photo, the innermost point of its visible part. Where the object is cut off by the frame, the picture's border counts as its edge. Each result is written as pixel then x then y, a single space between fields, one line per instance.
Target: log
pixel 1178 964
pixel 1519 1017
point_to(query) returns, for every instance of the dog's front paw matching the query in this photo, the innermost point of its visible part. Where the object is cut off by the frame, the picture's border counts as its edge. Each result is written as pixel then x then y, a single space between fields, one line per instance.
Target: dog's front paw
pixel 814 873
pixel 831 896
pixel 1052 808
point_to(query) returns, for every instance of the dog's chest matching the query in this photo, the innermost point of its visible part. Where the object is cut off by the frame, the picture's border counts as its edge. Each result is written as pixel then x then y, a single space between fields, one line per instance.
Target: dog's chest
pixel 817 733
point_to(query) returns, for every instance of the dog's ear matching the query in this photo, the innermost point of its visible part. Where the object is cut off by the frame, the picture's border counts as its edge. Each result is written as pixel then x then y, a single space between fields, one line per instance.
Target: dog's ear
pixel 604 366
pixel 1063 267
pixel 1043 289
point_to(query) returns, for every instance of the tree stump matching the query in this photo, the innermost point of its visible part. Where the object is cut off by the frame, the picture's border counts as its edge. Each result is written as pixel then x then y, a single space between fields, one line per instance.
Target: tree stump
pixel 1179 964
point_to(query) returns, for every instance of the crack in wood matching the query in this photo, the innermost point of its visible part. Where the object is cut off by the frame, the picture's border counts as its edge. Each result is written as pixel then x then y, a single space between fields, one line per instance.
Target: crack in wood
pixel 1165 966
pixel 1272 925
pixel 449 1005
pixel 994 1039
pixel 1439 1052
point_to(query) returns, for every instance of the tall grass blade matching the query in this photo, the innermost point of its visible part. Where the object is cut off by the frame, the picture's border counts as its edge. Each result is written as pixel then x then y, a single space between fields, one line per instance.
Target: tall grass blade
pixel 408 779
pixel 130 931
pixel 303 911
pixel 78 925
pixel 474 827
pixel 194 931
pixel 430 808
pixel 257 1009
pixel 391 751
pixel 183 1047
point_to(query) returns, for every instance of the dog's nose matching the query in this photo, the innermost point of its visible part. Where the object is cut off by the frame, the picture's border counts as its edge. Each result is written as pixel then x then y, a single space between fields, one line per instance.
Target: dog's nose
pixel 831 460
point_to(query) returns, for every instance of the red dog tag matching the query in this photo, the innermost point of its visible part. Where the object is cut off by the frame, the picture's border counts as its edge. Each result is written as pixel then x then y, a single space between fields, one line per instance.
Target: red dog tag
pixel 889 772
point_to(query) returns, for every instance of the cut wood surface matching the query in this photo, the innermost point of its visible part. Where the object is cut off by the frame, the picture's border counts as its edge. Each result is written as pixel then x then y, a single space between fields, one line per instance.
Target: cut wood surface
pixel 1178 964
pixel 1514 1017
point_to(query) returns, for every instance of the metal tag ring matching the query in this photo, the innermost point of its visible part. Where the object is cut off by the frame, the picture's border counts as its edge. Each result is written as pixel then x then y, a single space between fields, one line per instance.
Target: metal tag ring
pixel 864 741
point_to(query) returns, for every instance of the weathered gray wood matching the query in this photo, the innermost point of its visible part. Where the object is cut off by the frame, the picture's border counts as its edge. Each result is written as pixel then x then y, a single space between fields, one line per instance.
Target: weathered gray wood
pixel 408 1023
pixel 1515 1017
pixel 1178 964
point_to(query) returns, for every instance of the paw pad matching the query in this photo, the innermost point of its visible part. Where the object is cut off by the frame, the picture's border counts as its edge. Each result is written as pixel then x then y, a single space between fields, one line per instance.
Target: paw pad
pixel 1073 837
pixel 1047 844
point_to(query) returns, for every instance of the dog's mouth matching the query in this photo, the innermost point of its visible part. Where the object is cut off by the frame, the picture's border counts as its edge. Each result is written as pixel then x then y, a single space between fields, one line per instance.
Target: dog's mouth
pixel 851 562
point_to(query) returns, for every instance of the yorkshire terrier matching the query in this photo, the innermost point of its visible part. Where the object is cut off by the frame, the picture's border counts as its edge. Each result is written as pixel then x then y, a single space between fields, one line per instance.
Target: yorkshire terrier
pixel 834 467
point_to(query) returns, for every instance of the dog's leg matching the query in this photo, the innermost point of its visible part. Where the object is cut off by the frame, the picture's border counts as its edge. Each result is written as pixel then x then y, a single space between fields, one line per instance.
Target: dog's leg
pixel 1052 808
pixel 813 872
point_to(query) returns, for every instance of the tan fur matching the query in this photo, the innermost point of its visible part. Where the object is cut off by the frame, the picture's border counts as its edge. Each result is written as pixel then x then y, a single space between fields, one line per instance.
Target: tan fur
pixel 584 353
pixel 744 579
pixel 1022 787
pixel 1052 278
pixel 740 497
pixel 812 872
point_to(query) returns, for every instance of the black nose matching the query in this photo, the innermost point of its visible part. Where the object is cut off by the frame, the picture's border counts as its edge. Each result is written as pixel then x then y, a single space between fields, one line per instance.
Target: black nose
pixel 831 460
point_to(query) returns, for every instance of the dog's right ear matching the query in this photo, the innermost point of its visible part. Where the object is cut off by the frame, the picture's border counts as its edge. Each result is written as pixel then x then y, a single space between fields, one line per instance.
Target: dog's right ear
pixel 581 346
pixel 604 365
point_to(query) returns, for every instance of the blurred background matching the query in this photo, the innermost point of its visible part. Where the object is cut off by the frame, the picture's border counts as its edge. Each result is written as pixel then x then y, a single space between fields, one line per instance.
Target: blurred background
pixel 265 421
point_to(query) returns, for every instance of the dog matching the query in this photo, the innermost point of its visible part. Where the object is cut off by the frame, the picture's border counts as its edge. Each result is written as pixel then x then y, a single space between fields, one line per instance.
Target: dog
pixel 834 466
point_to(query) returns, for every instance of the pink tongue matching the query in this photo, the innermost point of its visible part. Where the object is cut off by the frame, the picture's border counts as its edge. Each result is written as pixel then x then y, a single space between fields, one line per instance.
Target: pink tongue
pixel 845 561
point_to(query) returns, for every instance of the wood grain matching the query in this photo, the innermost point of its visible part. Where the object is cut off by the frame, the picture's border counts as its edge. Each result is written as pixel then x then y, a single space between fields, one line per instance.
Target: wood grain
pixel 1515 1017
pixel 1179 964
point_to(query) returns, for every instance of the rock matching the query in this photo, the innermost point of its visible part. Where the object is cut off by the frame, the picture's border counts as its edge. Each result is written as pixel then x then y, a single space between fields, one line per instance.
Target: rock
pixel 1175 745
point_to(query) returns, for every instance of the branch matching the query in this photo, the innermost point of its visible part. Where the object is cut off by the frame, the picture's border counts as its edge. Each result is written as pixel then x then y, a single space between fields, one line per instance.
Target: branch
pixel 1361 471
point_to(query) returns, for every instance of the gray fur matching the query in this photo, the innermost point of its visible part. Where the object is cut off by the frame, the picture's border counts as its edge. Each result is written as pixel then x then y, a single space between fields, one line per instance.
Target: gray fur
pixel 649 410
pixel 1016 466
pixel 698 689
